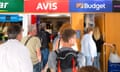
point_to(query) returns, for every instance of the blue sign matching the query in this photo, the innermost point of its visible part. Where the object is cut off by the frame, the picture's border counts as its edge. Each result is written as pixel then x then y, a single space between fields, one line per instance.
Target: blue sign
pixel 90 5
pixel 10 18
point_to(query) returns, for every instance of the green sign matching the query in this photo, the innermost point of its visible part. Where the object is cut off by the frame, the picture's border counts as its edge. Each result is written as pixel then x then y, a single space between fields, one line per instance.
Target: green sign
pixel 11 5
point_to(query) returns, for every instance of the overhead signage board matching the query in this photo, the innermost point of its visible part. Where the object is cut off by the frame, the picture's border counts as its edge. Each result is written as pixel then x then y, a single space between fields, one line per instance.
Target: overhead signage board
pixel 90 5
pixel 11 5
pixel 46 6
pixel 116 5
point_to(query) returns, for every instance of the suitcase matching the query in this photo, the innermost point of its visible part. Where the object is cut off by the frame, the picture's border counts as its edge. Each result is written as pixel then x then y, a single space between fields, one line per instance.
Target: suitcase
pixel 113 67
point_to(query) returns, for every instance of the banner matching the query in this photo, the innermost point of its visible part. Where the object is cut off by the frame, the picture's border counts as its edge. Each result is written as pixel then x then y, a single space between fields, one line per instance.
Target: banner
pixel 11 5
pixel 46 6
pixel 116 6
pixel 90 5
pixel 10 18
pixel 53 6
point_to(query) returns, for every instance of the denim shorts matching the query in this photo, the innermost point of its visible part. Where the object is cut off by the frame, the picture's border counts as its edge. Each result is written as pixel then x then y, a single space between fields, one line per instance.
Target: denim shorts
pixel 37 67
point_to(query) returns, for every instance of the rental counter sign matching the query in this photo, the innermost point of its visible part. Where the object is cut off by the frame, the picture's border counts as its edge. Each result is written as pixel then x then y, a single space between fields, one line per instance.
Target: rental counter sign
pixel 46 6
pixel 90 5
pixel 11 5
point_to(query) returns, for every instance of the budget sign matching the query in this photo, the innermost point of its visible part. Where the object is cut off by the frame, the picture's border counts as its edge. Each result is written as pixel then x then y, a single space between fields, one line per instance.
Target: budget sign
pixel 90 6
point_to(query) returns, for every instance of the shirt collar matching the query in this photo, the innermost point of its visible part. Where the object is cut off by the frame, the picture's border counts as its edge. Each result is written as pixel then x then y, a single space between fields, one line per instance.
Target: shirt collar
pixel 13 40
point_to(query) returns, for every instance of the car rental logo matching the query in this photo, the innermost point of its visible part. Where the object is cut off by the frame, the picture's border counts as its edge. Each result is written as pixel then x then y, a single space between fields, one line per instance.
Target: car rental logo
pixel 91 6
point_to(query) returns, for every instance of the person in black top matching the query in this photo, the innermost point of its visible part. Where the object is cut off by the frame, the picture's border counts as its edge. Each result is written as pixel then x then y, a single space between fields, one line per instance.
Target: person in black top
pixel 45 40
pixel 98 38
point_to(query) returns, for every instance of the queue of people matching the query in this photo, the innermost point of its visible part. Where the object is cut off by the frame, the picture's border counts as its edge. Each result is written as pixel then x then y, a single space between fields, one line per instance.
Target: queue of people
pixel 31 53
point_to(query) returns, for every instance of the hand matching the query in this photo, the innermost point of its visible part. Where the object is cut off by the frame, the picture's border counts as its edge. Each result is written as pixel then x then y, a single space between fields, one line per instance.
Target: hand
pixel 92 59
pixel 112 45
pixel 39 58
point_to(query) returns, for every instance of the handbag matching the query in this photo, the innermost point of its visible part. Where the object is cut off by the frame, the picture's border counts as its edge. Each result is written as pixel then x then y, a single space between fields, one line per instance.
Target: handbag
pixel 114 57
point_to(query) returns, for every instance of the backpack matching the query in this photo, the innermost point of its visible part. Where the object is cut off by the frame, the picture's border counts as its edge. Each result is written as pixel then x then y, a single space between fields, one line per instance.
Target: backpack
pixel 66 61
pixel 44 38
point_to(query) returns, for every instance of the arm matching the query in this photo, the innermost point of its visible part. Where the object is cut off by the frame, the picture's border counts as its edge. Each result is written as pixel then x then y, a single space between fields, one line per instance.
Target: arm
pixel 38 54
pixel 104 43
pixel 109 44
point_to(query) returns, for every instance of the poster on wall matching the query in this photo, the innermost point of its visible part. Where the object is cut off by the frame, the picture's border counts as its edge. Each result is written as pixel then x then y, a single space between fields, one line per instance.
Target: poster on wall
pixel 11 5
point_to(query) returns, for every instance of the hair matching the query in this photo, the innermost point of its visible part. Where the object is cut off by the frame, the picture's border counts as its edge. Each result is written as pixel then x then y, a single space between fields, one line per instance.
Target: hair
pixel 42 26
pixel 13 31
pixel 64 26
pixel 67 34
pixel 96 33
pixel 31 28
pixel 88 69
pixel 89 29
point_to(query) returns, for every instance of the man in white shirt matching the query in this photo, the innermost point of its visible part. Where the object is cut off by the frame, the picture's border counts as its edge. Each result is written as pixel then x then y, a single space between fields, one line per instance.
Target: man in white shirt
pixel 14 56
pixel 88 47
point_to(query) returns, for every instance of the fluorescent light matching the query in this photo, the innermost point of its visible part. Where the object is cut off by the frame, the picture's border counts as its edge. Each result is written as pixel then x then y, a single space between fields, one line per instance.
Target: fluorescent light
pixel 53 15
pixel 56 15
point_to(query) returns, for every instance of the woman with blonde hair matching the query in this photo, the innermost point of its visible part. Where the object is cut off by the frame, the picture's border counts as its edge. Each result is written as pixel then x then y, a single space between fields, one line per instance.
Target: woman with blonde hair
pixel 98 38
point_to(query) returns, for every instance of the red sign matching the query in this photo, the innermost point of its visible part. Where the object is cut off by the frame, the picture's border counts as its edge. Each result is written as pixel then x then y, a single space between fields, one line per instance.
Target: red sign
pixel 33 19
pixel 46 6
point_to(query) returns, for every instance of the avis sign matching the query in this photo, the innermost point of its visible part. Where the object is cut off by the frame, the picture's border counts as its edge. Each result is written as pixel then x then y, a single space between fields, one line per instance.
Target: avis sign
pixel 46 6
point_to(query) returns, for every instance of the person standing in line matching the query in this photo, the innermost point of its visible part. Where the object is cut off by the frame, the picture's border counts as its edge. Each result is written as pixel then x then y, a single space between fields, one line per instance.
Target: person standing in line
pixel 14 56
pixel 68 40
pixel 98 38
pixel 44 36
pixel 88 47
pixel 33 44
pixel 57 43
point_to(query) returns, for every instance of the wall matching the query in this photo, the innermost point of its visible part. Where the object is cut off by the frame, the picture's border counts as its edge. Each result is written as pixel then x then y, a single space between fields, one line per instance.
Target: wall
pixel 77 21
pixel 112 27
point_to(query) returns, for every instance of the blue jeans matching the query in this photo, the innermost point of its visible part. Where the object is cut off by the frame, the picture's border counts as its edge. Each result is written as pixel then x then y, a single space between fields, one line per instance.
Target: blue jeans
pixel 88 60
pixel 97 61
pixel 45 54
pixel 37 67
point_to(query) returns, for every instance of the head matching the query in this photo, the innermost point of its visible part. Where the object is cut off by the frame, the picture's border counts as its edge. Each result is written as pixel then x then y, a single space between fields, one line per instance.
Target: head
pixel 32 30
pixel 69 36
pixel 88 69
pixel 14 32
pixel 90 30
pixel 42 26
pixel 96 33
